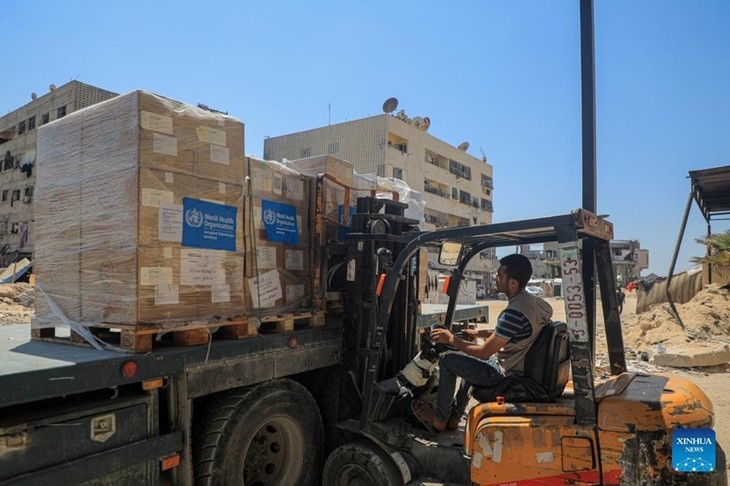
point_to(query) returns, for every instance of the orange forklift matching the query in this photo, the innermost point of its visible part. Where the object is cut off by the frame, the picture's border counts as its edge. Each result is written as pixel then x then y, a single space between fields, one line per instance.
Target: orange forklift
pixel 554 425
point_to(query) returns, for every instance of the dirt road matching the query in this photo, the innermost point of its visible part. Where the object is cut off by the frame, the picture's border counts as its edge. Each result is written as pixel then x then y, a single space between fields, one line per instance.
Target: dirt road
pixel 714 382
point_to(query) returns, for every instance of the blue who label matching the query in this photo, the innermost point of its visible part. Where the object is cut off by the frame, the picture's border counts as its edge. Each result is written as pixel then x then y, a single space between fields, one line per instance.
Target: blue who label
pixel 280 221
pixel 208 225
pixel 693 450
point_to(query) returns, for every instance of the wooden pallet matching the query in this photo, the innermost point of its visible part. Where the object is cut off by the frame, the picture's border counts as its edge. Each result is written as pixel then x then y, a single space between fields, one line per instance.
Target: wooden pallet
pixel 288 322
pixel 142 338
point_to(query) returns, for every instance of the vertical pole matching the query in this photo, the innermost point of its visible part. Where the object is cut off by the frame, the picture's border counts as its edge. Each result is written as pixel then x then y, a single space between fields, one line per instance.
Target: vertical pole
pixel 588 118
pixel 588 90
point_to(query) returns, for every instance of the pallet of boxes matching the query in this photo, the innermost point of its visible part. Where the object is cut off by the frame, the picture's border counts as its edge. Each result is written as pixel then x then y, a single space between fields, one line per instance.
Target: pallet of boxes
pixel 139 224
pixel 336 188
pixel 279 258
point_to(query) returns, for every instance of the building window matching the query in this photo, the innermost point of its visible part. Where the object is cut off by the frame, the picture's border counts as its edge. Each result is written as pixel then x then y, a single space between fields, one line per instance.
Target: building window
pixel 5 195
pixel 9 161
pixel 487 205
pixel 398 173
pixel 45 118
pixel 31 123
pixel 465 197
pixel 381 171
pixel 459 170
pixel 21 127
pixel 306 152
pixel 454 193
pixel 61 111
pixel 333 148
pixel 398 143
pixel 28 194
pixel 15 197
pixel 487 181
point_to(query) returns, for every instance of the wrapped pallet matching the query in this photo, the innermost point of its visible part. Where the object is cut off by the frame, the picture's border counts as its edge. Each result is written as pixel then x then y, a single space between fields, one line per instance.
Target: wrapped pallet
pixel 278 269
pixel 139 214
pixel 338 186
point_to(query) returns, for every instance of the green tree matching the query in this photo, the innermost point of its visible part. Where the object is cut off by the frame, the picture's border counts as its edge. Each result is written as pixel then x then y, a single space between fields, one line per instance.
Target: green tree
pixel 718 249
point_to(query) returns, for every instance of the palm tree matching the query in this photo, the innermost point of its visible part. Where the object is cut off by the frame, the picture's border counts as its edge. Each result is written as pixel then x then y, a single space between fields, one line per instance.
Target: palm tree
pixel 718 249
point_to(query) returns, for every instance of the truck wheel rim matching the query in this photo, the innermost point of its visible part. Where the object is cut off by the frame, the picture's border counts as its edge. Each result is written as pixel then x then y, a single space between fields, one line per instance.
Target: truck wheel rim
pixel 275 454
pixel 354 475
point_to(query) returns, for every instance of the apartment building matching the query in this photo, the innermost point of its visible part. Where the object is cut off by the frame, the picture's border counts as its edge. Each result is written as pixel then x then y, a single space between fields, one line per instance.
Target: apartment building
pixel 18 132
pixel 457 187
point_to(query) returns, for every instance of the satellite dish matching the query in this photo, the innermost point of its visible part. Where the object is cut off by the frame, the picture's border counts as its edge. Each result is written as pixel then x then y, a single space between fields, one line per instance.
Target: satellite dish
pixel 417 122
pixel 390 105
pixel 426 123
pixel 33 96
pixel 464 146
pixel 51 87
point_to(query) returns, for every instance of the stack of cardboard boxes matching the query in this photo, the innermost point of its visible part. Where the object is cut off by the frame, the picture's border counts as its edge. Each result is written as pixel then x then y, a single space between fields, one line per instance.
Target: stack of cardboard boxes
pixel 148 212
pixel 139 213
pixel 278 238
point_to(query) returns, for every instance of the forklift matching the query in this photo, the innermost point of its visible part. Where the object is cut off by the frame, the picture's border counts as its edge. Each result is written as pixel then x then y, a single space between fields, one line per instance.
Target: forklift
pixel 555 425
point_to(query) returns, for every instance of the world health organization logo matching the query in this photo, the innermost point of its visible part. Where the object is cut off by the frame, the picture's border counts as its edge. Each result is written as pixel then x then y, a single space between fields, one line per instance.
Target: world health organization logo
pixel 194 218
pixel 693 450
pixel 269 216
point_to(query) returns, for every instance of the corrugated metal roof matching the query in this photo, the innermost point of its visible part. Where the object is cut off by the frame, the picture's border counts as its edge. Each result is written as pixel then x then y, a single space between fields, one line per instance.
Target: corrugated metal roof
pixel 711 191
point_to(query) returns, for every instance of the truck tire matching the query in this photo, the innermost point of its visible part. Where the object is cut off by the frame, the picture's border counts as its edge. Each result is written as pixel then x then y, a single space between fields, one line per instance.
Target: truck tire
pixel 360 463
pixel 268 435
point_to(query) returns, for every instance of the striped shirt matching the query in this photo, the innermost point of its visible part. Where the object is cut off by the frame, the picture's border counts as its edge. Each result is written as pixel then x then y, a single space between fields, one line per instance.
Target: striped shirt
pixel 513 326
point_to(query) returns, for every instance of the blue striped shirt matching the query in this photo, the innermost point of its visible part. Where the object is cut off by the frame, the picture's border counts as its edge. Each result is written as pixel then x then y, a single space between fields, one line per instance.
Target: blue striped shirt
pixel 513 325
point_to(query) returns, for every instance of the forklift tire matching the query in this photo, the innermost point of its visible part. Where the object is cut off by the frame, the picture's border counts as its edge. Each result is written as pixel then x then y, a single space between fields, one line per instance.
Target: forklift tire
pixel 360 463
pixel 268 435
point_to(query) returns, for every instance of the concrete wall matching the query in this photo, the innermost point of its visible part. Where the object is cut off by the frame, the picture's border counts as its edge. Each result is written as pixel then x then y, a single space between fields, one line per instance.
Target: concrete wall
pixel 684 286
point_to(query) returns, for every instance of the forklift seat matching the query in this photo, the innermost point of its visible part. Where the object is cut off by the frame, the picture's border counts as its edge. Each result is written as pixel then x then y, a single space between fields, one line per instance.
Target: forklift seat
pixel 547 370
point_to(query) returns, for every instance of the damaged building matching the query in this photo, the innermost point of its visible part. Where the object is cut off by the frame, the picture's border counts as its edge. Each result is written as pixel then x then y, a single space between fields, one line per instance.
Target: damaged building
pixel 18 132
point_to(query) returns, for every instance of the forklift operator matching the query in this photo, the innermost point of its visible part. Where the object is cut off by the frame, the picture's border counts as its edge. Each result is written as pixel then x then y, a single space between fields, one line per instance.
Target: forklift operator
pixel 517 328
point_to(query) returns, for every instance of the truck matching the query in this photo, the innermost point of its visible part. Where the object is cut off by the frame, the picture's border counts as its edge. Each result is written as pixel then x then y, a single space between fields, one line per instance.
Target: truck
pixel 256 411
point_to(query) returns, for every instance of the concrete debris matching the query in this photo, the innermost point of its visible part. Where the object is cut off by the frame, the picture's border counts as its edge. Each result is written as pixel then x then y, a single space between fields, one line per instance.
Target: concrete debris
pixel 694 355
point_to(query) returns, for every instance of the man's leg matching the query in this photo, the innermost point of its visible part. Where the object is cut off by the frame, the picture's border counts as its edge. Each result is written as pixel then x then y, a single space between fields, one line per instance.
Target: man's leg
pixel 472 370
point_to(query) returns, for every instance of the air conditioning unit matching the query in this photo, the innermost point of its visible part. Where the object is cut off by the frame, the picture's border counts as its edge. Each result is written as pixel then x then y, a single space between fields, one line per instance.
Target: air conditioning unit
pixel 26 199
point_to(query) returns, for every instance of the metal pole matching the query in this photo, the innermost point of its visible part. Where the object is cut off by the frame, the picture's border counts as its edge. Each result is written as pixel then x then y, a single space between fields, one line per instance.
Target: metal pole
pixel 674 258
pixel 588 118
pixel 588 90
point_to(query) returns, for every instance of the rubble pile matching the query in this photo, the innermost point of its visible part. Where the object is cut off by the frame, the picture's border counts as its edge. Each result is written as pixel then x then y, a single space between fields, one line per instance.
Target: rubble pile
pixel 701 339
pixel 16 303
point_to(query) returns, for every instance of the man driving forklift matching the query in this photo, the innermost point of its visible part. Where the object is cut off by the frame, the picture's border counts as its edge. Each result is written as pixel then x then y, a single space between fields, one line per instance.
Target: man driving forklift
pixel 502 351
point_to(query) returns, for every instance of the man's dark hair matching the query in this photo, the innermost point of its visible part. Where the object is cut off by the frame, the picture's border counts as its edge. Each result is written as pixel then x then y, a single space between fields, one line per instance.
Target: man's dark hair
pixel 518 267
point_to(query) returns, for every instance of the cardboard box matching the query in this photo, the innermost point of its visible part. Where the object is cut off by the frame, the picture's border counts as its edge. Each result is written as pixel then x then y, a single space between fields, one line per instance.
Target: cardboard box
pixel 340 170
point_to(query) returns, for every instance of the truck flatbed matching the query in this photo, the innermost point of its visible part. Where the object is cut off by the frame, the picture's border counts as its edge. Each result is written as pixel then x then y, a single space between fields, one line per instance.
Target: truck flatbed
pixel 38 370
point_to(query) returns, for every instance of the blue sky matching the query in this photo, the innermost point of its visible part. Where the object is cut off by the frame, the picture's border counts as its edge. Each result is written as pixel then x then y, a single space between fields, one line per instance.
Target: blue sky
pixel 503 75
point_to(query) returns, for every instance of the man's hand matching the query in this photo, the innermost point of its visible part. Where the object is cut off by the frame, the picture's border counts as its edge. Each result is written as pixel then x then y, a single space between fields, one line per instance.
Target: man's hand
pixel 470 334
pixel 442 336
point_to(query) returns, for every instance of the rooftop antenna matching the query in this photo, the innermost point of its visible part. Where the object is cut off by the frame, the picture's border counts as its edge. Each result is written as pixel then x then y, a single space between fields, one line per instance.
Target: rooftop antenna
pixel 484 156
pixel 390 105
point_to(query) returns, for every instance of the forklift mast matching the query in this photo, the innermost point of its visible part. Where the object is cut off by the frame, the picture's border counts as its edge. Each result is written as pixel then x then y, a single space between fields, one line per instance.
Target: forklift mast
pixel 380 232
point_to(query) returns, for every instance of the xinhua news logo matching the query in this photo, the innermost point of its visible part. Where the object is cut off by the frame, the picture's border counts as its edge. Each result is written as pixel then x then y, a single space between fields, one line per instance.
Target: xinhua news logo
pixel 693 450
